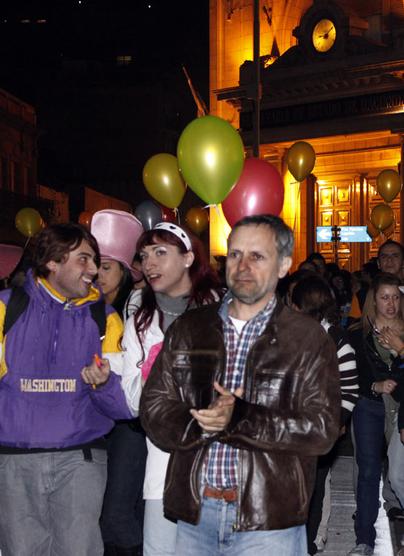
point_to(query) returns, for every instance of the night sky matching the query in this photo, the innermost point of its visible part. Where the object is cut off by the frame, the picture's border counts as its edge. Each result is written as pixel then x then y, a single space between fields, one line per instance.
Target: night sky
pixel 99 121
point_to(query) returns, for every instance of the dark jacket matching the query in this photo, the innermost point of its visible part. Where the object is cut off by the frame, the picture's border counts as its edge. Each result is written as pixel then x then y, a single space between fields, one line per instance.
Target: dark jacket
pixel 371 368
pixel 289 414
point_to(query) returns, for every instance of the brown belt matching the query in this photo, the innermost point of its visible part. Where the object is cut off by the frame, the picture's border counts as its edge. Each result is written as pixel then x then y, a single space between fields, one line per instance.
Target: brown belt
pixel 226 494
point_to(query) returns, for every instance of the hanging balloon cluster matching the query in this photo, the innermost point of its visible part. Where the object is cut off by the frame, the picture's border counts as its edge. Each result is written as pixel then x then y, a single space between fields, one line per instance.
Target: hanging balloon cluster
pixel 210 159
pixel 388 183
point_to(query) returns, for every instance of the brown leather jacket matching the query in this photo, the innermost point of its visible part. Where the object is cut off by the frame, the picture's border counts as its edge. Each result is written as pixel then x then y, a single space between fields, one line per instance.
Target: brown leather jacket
pixel 288 416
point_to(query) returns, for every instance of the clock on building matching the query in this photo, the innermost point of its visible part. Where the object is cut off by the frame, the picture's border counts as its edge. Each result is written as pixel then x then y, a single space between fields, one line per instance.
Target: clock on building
pixel 323 30
pixel 324 35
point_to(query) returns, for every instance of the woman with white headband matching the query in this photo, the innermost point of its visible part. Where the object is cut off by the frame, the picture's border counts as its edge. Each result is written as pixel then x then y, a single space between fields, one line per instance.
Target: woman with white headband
pixel 178 277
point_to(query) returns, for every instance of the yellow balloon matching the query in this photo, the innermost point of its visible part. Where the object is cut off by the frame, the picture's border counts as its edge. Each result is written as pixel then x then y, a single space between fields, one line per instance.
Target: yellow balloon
pixel 372 230
pixel 163 180
pixel 28 221
pixel 300 160
pixel 388 184
pixel 197 219
pixel 388 232
pixel 382 216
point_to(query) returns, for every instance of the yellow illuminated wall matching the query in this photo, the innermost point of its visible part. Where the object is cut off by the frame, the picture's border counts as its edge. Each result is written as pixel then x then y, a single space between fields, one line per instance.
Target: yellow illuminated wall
pixel 294 216
pixel 231 40
pixel 338 158
pixel 231 43
pixel 219 231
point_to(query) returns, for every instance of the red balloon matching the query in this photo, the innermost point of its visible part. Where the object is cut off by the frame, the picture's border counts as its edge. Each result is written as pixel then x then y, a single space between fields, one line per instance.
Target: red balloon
pixel 258 191
pixel 169 215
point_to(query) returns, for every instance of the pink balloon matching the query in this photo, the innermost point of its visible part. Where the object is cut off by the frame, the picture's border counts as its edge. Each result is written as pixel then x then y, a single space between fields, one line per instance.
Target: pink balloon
pixel 258 191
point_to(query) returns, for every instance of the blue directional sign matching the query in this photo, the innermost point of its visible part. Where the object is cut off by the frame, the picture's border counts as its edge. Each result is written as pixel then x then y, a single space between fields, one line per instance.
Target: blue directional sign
pixel 323 234
pixel 349 234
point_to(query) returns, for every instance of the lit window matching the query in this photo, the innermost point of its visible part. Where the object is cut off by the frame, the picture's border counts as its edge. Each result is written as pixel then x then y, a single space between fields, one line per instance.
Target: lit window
pixel 123 60
pixel 25 21
pixel 41 21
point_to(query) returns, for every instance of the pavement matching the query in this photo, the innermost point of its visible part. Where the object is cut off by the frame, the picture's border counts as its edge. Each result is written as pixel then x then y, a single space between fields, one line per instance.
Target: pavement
pixel 341 535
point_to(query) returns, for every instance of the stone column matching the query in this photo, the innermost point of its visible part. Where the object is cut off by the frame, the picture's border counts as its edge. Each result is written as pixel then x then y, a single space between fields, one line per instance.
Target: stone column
pixel 310 214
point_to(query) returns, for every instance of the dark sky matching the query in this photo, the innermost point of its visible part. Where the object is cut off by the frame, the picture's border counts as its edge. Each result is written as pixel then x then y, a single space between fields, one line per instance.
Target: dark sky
pixel 98 123
pixel 42 33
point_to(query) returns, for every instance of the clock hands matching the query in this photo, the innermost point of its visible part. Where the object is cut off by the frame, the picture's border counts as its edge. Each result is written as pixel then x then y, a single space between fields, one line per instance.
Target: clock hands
pixel 325 35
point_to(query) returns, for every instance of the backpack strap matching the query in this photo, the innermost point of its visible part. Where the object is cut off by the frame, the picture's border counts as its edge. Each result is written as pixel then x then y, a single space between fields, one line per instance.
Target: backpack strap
pixel 16 305
pixel 98 313
pixel 19 300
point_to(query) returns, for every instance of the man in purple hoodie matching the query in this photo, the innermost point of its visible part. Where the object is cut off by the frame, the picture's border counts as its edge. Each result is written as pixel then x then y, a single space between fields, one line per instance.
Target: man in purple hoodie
pixel 57 401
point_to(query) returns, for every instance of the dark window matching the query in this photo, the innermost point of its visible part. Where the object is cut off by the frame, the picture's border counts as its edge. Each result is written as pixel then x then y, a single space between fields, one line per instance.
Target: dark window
pixel 4 174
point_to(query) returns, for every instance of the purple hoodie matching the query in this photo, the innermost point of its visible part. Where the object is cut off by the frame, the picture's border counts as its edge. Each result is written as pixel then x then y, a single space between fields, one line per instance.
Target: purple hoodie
pixel 44 403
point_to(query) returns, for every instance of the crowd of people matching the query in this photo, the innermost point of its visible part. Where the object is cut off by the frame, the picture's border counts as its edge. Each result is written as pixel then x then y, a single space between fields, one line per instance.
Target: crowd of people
pixel 149 408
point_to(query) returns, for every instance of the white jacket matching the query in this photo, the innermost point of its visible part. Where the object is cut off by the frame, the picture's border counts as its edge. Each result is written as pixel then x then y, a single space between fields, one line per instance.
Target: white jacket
pixel 157 460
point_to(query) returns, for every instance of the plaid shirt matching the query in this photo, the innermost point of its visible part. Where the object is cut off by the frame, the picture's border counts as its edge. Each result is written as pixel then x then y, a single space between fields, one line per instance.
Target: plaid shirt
pixel 222 460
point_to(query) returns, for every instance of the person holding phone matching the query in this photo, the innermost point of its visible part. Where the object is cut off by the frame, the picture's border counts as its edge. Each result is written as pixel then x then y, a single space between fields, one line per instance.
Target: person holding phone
pixel 378 341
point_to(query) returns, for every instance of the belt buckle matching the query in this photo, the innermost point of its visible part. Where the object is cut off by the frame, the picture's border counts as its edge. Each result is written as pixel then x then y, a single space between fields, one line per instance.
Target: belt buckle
pixel 228 495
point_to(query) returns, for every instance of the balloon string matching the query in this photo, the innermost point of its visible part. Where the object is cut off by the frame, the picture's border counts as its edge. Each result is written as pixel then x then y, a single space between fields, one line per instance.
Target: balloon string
pixel 177 214
pixel 213 205
pixel 26 243
pixel 297 203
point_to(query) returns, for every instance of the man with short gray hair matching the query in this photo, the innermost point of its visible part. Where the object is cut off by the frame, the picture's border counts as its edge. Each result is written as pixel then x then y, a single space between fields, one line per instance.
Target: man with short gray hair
pixel 245 396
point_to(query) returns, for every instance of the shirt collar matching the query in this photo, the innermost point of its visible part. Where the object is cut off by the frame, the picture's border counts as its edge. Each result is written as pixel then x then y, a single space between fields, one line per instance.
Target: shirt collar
pixel 93 294
pixel 265 313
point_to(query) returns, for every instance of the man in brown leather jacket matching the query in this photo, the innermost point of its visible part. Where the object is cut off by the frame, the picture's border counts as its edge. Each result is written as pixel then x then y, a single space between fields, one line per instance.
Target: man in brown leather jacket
pixel 245 396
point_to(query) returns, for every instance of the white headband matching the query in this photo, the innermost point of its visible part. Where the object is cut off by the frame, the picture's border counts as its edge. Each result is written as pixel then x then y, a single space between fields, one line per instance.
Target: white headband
pixel 177 231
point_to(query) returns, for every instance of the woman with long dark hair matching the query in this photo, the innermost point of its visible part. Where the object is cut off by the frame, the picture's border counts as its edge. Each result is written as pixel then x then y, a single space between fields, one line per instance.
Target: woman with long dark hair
pixel 122 516
pixel 178 278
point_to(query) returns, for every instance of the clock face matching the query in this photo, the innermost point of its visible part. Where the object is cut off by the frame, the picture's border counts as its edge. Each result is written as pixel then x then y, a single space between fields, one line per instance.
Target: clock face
pixel 324 35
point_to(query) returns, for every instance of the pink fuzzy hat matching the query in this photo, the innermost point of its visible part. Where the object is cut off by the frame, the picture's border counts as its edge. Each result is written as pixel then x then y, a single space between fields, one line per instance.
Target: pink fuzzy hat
pixel 10 256
pixel 117 233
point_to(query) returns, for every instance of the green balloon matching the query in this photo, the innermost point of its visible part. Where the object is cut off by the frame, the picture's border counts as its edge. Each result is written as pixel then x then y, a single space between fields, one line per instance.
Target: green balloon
pixel 210 157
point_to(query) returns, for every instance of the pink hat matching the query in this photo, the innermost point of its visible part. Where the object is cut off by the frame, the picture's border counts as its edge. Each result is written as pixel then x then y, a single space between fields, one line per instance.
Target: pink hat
pixel 10 256
pixel 117 233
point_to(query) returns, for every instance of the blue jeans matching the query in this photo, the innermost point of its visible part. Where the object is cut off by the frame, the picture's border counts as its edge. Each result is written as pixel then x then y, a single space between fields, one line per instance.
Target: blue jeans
pixel 214 535
pixel 368 425
pixel 159 532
